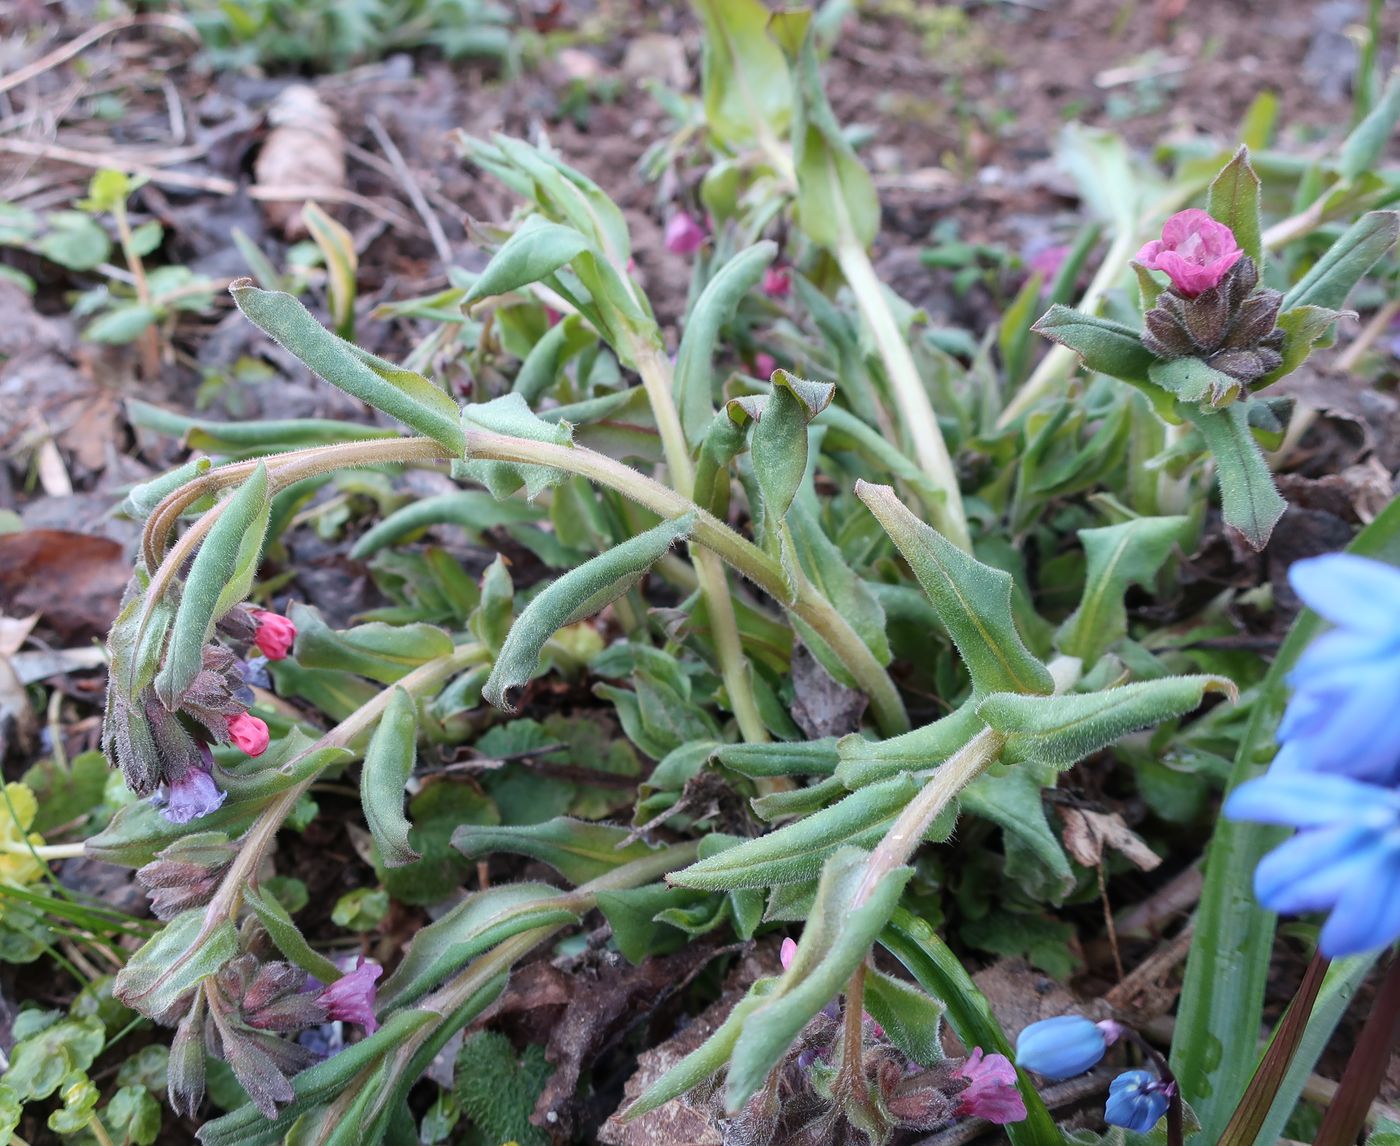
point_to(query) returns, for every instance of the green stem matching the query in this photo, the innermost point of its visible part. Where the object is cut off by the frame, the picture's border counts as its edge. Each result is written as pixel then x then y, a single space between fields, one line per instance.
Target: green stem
pixel 949 778
pixel 1258 1096
pixel 259 837
pixel 930 450
pixel 746 557
pixel 658 380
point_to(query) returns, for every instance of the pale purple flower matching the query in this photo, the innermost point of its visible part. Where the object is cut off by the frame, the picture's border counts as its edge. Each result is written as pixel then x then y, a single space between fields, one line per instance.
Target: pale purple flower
pixel 1195 251
pixel 684 236
pixel 350 998
pixel 1048 261
pixel 993 1094
pixel 194 794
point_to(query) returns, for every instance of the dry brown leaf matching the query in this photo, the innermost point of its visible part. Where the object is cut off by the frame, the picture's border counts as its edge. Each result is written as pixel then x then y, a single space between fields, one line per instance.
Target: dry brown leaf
pixel 1087 833
pixel 74 579
pixel 14 631
pixel 304 149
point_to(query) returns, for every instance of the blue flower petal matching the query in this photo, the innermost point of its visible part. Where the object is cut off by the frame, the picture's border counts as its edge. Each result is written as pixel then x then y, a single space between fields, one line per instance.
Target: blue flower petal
pixel 1135 1101
pixel 1348 590
pixel 1312 800
pixel 1367 915
pixel 1311 871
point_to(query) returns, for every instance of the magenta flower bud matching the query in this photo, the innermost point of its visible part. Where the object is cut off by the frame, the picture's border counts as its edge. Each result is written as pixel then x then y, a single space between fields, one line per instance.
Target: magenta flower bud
pixel 684 236
pixel 764 364
pixel 1195 252
pixel 992 1094
pixel 786 952
pixel 777 282
pixel 248 734
pixel 193 795
pixel 350 998
pixel 275 634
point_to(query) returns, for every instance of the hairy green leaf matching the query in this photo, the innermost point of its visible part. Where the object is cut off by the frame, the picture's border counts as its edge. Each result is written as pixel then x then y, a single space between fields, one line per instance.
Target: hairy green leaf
pixel 535 251
pixel 1360 247
pixel 1233 199
pixel 382 652
pixel 577 850
pixel 388 764
pixel 1248 497
pixel 1105 346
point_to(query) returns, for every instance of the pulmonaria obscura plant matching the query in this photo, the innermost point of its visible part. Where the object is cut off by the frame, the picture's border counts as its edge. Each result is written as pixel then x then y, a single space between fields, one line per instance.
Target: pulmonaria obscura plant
pixel 804 653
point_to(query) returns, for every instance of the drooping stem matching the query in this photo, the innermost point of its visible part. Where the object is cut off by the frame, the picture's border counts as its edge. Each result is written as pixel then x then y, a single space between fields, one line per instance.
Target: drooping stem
pixel 1365 1070
pixel 910 396
pixel 850 1081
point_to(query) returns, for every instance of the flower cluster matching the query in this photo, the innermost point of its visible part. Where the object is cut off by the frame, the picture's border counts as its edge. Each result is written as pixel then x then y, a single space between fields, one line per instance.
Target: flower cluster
pixel 1213 310
pixel 166 750
pixel 1336 778
pixel 1068 1045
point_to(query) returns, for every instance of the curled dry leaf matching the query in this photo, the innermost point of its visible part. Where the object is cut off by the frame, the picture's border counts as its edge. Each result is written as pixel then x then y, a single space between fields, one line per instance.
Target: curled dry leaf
pixel 1087 833
pixel 304 152
pixel 74 579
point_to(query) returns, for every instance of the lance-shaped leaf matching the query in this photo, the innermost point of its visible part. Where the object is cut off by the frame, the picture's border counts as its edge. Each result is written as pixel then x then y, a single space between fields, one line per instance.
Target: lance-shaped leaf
pixel 1012 799
pixel 912 1019
pixel 400 393
pixel 175 960
pixel 778 441
pixel 1369 138
pixel 715 306
pixel 1248 498
pixel 973 600
pixel 220 560
pixel 342 262
pixel 847 917
pixel 1062 730
pixel 388 765
pixel 744 79
pixel 1118 556
pixel 1351 256
pixel 142 499
pixel 249 439
pixel 577 850
pixel 796 852
pixel 287 937
pixel 382 652
pixel 579 593
pixel 1233 199
pixel 510 414
pixel 836 199
pixel 1194 381
pixel 869 761
pixel 780 758
pixel 541 368
pixel 706 1060
pixel 1303 327
pixel 536 250
pixel 478 923
pixel 468 509
pixel 1103 345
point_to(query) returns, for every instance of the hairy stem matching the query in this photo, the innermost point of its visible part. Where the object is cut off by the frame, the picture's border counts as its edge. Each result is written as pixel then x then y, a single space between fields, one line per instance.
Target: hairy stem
pixel 915 409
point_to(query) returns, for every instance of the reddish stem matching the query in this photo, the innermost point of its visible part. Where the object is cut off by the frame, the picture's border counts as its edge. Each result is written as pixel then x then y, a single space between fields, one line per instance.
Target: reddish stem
pixel 1361 1081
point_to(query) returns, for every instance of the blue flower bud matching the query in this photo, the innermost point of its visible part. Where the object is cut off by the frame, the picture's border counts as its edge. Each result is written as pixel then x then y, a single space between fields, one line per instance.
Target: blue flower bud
pixel 1136 1100
pixel 1061 1047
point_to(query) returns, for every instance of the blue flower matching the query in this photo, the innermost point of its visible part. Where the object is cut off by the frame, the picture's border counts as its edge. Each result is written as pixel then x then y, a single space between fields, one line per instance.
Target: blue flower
pixel 1345 858
pixel 1063 1046
pixel 1136 1100
pixel 1347 683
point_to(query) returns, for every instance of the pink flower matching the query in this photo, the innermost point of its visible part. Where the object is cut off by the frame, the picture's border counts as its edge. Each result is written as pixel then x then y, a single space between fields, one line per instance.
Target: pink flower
pixel 764 364
pixel 777 282
pixel 1195 251
pixel 993 1094
pixel 786 952
pixel 350 999
pixel 249 734
pixel 684 236
pixel 275 634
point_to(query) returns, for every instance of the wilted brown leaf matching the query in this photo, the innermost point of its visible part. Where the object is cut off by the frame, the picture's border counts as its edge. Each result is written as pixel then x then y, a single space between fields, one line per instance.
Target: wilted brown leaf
pixel 1087 833
pixel 73 579
pixel 304 150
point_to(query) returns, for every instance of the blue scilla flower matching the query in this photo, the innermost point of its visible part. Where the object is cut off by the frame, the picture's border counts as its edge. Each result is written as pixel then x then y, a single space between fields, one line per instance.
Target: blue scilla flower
pixel 1347 683
pixel 1063 1046
pixel 1345 858
pixel 1136 1100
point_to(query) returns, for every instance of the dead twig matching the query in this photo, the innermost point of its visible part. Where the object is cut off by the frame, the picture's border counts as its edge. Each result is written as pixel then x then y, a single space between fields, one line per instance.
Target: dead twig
pixel 90 37
pixel 413 191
